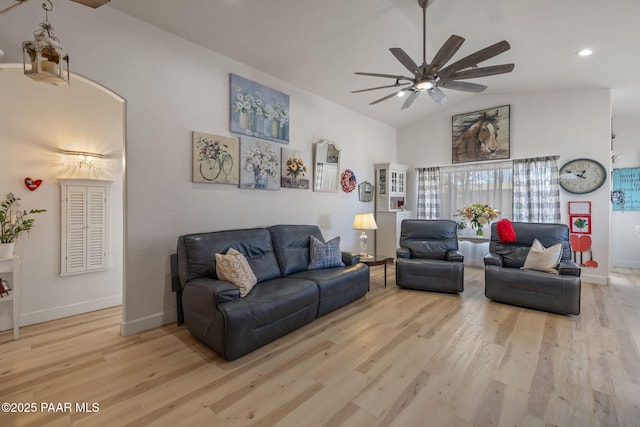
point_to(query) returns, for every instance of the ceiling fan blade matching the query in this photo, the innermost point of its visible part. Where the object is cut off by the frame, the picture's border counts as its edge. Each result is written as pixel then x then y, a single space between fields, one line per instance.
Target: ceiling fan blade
pixel 437 95
pixel 446 52
pixel 405 60
pixel 410 99
pixel 477 57
pixel 389 76
pixel 384 98
pixel 463 86
pixel 474 73
pixel 92 3
pixel 379 87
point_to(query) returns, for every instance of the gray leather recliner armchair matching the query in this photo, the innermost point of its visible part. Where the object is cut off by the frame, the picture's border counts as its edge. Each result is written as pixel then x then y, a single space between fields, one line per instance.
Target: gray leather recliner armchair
pixel 507 282
pixel 428 258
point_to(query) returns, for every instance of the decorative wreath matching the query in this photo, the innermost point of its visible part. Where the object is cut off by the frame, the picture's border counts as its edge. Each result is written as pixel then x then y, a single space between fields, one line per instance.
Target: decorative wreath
pixel 348 181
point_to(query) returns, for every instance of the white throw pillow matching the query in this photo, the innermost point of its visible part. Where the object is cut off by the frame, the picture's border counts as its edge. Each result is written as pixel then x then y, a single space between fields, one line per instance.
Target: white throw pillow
pixel 235 269
pixel 543 259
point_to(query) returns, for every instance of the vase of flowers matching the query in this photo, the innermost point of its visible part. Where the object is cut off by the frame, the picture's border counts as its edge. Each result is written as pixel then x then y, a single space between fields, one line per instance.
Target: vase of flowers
pixel 13 222
pixel 478 215
pixel 296 169
pixel 263 162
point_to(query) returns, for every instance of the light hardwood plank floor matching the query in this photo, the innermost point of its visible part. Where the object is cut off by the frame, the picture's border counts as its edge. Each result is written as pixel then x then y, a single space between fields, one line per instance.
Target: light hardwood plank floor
pixel 394 358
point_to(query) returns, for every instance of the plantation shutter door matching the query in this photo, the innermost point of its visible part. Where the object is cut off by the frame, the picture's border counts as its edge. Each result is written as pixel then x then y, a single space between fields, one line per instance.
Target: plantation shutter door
pixel 76 238
pixel 85 226
pixel 96 224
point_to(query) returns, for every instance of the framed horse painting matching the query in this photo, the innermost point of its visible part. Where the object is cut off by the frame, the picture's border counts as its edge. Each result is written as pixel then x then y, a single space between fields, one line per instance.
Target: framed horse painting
pixel 480 135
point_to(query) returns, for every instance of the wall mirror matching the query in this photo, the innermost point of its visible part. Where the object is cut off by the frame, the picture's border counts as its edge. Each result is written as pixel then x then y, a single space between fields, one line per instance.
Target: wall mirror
pixel 365 191
pixel 327 165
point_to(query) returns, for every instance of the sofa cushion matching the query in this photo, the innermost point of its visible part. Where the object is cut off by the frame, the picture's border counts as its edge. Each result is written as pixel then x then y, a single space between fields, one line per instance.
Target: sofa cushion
pixel 325 255
pixel 276 299
pixel 234 268
pixel 291 243
pixel 429 242
pixel 543 259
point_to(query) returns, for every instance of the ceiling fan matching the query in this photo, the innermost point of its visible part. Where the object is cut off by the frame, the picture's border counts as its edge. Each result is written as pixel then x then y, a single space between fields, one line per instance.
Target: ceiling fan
pixel 431 77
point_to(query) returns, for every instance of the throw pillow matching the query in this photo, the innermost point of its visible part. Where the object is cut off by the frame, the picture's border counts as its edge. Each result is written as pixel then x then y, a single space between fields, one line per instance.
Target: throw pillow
pixel 235 269
pixel 505 231
pixel 325 255
pixel 543 259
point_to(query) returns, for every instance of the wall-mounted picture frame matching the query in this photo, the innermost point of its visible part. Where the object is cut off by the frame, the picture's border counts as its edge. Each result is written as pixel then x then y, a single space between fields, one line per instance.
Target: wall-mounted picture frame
pixel 579 208
pixel 365 191
pixel 215 159
pixel 296 169
pixel 625 186
pixel 481 135
pixel 259 164
pixel 580 224
pixel 258 110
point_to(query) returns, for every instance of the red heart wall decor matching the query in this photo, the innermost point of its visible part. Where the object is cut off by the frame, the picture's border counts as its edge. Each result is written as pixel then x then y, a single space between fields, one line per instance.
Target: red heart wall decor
pixel 32 184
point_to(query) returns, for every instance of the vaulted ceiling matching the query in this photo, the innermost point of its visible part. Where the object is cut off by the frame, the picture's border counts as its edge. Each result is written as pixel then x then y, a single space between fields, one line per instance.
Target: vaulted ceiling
pixel 319 44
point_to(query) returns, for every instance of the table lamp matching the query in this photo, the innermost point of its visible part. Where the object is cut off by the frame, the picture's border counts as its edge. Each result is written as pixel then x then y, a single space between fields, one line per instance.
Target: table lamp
pixel 364 222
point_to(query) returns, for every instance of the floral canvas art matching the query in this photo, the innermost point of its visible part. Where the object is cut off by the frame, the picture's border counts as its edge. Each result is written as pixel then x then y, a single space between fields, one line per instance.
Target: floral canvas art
pixel 259 164
pixel 215 159
pixel 258 111
pixel 295 170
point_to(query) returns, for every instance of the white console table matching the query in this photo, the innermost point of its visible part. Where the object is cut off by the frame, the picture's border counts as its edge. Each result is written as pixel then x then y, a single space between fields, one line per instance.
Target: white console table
pixel 474 249
pixel 12 265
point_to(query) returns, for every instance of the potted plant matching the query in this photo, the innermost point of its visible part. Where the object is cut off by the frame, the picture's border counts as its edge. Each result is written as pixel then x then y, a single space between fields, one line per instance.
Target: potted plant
pixel 12 223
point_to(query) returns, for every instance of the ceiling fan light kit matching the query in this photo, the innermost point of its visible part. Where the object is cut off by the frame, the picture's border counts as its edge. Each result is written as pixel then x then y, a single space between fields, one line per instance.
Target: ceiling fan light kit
pixel 431 77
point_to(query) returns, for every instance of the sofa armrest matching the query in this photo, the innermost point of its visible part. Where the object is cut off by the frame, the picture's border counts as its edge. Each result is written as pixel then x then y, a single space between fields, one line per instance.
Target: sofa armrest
pixel 493 259
pixel 455 256
pixel 219 290
pixel 350 259
pixel 569 268
pixel 403 253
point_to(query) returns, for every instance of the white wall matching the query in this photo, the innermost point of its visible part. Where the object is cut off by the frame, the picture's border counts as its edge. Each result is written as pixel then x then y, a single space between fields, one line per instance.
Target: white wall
pixel 37 122
pixel 173 87
pixel 568 124
pixel 625 242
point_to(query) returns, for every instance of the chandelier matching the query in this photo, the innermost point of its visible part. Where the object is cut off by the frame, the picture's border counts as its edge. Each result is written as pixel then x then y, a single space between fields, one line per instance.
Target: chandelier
pixel 43 58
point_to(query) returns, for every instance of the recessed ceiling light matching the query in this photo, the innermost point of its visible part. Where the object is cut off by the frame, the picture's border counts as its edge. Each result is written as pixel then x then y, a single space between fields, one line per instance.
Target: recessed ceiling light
pixel 585 52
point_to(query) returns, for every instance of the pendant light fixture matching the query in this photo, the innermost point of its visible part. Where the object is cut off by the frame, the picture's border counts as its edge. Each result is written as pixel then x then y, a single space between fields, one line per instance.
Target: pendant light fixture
pixel 44 60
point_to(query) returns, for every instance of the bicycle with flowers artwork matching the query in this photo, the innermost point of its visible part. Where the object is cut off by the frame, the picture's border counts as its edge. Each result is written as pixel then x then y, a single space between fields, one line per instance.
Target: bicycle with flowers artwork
pixel 258 111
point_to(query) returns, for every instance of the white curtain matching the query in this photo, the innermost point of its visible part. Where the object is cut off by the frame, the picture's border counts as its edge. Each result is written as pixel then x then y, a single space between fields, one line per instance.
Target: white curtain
pixel 486 183
pixel 536 193
pixel 428 193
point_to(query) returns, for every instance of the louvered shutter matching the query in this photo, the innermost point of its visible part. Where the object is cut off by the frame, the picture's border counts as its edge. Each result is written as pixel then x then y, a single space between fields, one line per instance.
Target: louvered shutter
pixel 84 226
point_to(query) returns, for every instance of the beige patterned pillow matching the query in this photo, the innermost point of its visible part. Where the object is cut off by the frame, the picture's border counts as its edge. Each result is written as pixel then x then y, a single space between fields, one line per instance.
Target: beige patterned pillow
pixel 543 259
pixel 235 269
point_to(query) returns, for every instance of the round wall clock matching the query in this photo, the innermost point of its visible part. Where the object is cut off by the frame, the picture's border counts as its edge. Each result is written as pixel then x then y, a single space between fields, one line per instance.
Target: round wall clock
pixel 582 176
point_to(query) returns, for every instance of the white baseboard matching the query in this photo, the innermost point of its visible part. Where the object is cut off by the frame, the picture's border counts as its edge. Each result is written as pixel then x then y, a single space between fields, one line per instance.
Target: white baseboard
pixel 69 310
pixel 596 280
pixel 626 263
pixel 149 322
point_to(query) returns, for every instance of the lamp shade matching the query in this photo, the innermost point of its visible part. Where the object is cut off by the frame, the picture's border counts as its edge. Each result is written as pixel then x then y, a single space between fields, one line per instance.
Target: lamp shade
pixel 364 221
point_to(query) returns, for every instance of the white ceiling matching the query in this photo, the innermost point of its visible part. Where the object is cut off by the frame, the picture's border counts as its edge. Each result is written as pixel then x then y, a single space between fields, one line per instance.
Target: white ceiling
pixel 319 44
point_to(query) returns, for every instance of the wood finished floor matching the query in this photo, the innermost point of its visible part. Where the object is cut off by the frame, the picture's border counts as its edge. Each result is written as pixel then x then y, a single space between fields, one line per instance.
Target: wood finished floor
pixel 394 358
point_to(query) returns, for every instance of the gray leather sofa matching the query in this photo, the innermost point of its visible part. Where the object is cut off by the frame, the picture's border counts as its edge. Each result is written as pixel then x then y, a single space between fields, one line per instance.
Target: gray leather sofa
pixel 507 282
pixel 286 297
pixel 428 258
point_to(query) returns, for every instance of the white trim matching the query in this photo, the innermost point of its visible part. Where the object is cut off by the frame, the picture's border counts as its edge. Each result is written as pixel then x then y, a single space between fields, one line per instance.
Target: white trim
pixel 628 263
pixel 148 322
pixel 69 310
pixel 596 280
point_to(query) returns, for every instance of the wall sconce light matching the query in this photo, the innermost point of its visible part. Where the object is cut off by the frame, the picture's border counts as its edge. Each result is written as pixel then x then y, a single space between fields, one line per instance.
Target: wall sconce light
pixel 81 159
pixel 363 222
pixel 43 58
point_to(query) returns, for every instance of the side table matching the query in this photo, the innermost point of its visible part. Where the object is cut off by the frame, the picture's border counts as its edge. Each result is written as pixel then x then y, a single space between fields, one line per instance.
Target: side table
pixel 378 260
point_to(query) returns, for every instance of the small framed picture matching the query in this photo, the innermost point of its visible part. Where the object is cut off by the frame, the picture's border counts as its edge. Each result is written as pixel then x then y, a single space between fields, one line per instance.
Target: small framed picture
pixel 4 287
pixel 580 224
pixel 579 208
